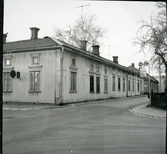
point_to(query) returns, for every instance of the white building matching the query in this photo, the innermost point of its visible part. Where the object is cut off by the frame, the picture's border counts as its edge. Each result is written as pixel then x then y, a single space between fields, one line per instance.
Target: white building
pixel 52 71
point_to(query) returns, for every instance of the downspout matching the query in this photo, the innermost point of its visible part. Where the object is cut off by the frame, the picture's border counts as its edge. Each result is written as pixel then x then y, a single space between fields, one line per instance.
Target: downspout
pixel 61 76
pixel 127 84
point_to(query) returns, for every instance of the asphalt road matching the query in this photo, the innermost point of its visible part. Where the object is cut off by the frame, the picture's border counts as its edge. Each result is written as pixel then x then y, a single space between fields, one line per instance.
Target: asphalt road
pixel 102 128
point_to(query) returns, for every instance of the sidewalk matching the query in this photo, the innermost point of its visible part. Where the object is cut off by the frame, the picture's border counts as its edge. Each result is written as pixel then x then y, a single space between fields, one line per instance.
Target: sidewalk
pixel 16 107
pixel 144 110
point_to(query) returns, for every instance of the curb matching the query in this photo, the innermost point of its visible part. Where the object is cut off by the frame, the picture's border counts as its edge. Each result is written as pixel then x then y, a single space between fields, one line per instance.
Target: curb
pixel 134 110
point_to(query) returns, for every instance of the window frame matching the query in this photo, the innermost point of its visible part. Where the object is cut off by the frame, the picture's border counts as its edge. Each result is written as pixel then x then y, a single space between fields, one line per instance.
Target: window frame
pixel 138 86
pixel 105 70
pixel 105 85
pixel 113 83
pixel 123 83
pixel 73 82
pixel 97 69
pixel 36 86
pixel 35 56
pixel 133 85
pixel 129 85
pixel 6 80
pixel 73 60
pixel 119 83
pixel 91 84
pixel 7 59
pixel 97 84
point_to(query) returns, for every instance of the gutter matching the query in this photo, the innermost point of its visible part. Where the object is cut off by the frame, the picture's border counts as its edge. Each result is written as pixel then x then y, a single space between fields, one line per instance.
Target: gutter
pixel 31 49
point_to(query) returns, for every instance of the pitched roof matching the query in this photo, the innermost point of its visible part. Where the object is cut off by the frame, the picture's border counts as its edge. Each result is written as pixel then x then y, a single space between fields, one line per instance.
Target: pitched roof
pixel 151 78
pixel 133 69
pixel 50 42
pixel 29 44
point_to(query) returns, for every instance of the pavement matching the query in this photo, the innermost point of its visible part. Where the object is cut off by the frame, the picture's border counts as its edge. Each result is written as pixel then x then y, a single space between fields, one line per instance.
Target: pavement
pixel 142 110
pixel 146 110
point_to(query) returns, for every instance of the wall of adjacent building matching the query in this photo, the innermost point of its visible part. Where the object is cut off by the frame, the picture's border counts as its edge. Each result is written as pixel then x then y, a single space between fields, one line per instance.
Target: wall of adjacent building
pixel 154 86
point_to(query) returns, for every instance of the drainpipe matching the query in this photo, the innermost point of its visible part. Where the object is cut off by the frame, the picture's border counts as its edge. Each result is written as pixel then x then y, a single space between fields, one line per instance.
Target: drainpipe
pixel 61 76
pixel 127 83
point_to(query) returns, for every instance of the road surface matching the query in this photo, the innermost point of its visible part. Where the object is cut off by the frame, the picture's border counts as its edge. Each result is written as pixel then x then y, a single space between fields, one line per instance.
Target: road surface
pixel 107 127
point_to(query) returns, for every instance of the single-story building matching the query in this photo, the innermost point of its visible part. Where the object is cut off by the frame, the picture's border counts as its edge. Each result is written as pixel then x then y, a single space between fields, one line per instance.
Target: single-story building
pixel 48 70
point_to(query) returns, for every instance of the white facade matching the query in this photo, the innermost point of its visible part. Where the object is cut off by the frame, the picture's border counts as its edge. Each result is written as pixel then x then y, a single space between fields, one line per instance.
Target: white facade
pixel 60 73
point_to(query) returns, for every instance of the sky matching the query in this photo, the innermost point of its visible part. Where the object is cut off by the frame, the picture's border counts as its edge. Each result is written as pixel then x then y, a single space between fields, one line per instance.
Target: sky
pixel 120 18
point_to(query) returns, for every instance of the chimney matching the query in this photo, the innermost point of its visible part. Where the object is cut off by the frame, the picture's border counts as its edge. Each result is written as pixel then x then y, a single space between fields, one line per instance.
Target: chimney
pixel 83 44
pixel 115 59
pixel 95 49
pixel 4 37
pixel 133 65
pixel 34 33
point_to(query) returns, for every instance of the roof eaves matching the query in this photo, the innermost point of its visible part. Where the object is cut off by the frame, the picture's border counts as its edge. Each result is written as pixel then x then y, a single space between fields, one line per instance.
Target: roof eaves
pixel 31 49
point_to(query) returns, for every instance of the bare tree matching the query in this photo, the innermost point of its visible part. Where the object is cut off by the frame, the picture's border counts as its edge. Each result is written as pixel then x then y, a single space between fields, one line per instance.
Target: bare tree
pixel 152 37
pixel 84 28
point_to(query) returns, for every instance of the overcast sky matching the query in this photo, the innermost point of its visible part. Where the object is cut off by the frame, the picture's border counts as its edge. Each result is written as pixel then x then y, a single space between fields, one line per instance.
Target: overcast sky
pixel 120 18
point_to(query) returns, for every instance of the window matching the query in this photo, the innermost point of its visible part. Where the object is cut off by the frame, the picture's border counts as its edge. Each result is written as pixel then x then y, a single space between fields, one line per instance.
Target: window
pixel 105 70
pixel 133 85
pixel 105 85
pixel 34 81
pixel 7 62
pixel 123 84
pixel 73 87
pixel 113 83
pixel 91 83
pixel 73 63
pixel 138 85
pixel 35 58
pixel 97 69
pixel 129 85
pixel 98 84
pixel 91 67
pixel 119 83
pixel 7 82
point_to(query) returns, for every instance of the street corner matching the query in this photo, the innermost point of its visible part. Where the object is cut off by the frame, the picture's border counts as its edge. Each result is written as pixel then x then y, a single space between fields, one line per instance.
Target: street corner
pixel 148 111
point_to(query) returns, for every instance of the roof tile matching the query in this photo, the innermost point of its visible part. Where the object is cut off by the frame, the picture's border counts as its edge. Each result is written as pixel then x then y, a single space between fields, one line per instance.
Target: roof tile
pixel 29 44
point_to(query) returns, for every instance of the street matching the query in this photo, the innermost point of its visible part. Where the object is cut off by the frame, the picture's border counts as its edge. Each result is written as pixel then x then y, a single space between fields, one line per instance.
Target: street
pixel 98 128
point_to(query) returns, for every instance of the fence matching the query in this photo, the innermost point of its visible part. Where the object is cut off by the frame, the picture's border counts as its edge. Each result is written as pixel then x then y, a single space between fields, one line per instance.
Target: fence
pixel 158 100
